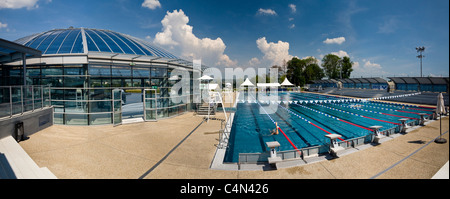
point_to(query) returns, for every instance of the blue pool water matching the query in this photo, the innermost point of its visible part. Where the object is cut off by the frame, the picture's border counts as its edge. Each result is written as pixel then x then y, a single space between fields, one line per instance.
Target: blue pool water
pixel 306 124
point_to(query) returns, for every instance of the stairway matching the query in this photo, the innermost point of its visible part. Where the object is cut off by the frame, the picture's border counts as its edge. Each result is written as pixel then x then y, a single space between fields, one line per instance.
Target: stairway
pixel 16 164
pixel 203 110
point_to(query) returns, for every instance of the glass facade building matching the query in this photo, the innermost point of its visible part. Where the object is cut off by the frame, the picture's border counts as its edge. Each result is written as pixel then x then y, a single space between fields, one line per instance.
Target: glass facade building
pixel 101 76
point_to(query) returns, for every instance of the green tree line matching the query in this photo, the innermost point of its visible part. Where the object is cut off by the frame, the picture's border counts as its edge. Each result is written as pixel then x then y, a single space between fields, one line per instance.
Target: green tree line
pixel 305 71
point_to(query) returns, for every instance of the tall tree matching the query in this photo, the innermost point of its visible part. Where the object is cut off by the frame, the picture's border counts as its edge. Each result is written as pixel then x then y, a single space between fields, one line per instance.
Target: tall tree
pixel 294 71
pixel 313 72
pixel 346 67
pixel 330 64
pixel 301 71
pixel 335 67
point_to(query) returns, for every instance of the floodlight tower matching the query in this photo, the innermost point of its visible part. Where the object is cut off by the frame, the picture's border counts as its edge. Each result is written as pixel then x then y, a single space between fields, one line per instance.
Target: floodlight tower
pixel 420 56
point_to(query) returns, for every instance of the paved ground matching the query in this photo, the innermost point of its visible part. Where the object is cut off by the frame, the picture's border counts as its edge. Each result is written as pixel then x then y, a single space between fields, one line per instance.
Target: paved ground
pixel 131 151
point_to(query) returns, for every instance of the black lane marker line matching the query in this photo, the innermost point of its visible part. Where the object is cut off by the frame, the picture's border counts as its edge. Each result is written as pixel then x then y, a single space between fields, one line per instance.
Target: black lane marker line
pixel 170 152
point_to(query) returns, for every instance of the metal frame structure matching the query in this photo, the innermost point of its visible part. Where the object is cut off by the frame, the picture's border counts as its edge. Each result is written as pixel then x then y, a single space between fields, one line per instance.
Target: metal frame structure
pixel 86 50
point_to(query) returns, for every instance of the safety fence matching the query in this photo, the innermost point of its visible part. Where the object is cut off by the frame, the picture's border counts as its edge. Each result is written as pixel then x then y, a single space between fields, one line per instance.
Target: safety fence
pixel 259 158
pixel 19 99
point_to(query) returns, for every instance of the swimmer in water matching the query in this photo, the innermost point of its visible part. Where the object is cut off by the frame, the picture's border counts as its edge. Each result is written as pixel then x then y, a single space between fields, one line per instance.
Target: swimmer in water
pixel 274 131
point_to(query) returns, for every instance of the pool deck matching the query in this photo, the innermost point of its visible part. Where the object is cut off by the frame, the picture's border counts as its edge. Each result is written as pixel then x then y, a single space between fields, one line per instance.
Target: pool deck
pixel 170 149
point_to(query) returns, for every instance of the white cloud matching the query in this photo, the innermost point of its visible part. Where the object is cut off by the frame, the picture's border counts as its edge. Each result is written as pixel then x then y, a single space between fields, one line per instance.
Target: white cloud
pixel 151 4
pixel 368 65
pixel 367 69
pixel 355 65
pixel 274 52
pixel 338 40
pixel 292 26
pixel 16 4
pixel 389 26
pixel 254 61
pixel 341 53
pixel 3 25
pixel 293 8
pixel 177 35
pixel 266 12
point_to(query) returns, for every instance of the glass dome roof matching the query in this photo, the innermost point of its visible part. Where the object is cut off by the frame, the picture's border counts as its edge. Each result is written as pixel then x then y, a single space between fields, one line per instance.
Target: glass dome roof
pixel 72 40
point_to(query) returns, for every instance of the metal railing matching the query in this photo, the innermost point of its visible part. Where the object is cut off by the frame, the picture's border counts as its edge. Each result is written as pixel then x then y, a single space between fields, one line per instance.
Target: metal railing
pixel 254 158
pixel 20 99
pixel 97 106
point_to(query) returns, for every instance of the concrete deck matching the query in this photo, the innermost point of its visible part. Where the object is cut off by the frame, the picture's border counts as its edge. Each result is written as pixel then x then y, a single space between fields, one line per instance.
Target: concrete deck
pixel 131 151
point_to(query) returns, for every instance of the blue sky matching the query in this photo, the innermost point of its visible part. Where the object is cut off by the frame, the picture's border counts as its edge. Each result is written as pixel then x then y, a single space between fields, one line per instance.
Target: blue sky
pixel 379 36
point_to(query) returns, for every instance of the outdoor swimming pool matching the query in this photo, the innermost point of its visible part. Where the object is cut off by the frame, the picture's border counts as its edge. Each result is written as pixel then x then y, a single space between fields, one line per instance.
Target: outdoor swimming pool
pixel 306 118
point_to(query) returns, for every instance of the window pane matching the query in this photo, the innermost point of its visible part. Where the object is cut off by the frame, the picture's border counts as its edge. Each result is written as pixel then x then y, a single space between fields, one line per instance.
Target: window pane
pixel 66 46
pixel 74 70
pixel 78 45
pixel 141 72
pixel 100 43
pixel 120 42
pixel 95 70
pixel 137 83
pixel 48 41
pixel 90 43
pixel 100 106
pixel 99 94
pixel 116 83
pixel 52 71
pixel 39 40
pixel 53 48
pixel 76 119
pixel 95 119
pixel 109 42
pixel 52 81
pixel 75 107
pixel 130 44
pixel 120 71
pixel 76 82
pixel 58 118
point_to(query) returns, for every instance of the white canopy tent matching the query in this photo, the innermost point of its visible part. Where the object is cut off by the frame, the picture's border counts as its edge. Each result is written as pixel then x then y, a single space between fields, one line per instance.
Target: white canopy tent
pixel 286 83
pixel 205 77
pixel 247 83
pixel 268 84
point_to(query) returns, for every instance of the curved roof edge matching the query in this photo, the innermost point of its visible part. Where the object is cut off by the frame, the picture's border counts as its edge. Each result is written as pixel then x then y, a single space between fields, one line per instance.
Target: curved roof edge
pixel 84 40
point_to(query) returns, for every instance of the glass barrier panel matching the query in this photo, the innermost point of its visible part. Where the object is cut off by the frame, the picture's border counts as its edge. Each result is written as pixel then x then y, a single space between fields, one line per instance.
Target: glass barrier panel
pixel 103 118
pixel 76 119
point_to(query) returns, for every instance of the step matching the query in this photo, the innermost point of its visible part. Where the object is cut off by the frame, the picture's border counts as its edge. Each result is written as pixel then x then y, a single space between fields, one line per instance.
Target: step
pixel 47 173
pixel 16 163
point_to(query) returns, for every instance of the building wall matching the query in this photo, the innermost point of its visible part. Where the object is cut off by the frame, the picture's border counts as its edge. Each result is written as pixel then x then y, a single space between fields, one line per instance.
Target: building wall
pixel 81 93
pixel 34 121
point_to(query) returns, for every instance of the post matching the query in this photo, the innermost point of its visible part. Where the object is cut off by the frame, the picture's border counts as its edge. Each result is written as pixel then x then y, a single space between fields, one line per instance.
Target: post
pixel 21 97
pixel 24 69
pixel 420 56
pixel 10 102
pixel 440 140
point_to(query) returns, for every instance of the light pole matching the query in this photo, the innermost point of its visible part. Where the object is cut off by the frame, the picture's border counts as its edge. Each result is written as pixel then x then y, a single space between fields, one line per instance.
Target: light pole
pixel 420 56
